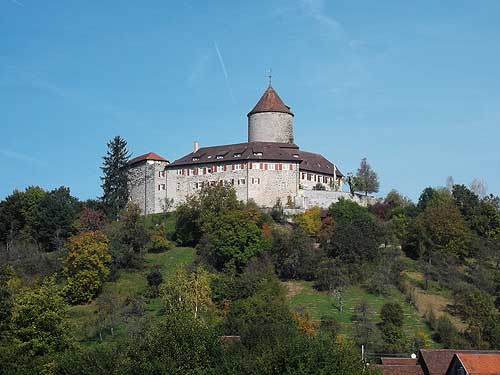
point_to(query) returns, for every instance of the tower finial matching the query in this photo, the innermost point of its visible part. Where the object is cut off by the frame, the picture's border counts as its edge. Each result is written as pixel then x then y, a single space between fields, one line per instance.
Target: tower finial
pixel 270 75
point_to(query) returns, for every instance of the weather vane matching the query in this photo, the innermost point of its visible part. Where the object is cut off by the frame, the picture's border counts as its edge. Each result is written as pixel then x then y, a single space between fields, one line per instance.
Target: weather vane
pixel 270 76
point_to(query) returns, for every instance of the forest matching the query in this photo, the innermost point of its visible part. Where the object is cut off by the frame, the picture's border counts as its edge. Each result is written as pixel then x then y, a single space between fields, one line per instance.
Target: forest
pixel 224 287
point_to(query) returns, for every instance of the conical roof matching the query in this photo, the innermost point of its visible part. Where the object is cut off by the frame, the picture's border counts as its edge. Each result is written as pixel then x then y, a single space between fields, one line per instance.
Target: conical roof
pixel 270 102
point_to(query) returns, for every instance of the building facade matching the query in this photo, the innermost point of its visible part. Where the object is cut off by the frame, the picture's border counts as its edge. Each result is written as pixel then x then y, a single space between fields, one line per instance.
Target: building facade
pixel 267 168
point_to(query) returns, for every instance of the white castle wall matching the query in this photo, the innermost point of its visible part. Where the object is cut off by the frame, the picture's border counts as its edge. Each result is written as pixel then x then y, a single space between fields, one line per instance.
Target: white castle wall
pixel 250 180
pixel 270 127
pixel 323 199
pixel 147 185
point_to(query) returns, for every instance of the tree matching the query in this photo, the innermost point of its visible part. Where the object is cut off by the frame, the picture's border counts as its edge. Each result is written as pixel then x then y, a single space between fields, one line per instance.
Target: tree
pixel 478 186
pixel 86 266
pixel 309 221
pixel 431 196
pixel 392 317
pixel 367 179
pixel 6 298
pixel 364 328
pixel 187 292
pixel 115 177
pixel 128 238
pixel 231 239
pixel 90 220
pixel 53 218
pixel 38 319
pixel 439 231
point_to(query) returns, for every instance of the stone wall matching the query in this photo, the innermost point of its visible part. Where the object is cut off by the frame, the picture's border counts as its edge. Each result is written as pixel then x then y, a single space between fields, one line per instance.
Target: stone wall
pixel 311 198
pixel 309 180
pixel 147 185
pixel 270 127
pixel 250 180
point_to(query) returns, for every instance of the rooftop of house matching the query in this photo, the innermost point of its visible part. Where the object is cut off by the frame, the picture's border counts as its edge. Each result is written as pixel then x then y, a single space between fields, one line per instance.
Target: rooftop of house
pixel 437 361
pixel 148 156
pixel 270 102
pixel 259 151
pixel 480 364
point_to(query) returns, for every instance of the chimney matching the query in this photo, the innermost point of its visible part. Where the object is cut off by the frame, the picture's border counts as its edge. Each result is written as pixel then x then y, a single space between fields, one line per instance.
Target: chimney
pixel 196 146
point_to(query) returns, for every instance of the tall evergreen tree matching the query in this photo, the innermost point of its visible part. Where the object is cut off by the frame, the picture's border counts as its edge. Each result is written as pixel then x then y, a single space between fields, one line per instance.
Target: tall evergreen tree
pixel 114 180
pixel 366 178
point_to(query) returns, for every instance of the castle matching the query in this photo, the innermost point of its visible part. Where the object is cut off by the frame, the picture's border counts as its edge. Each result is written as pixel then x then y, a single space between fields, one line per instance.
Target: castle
pixel 267 168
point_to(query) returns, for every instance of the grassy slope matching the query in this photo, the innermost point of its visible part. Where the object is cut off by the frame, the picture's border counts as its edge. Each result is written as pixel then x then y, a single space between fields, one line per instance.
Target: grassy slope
pixel 321 304
pixel 131 283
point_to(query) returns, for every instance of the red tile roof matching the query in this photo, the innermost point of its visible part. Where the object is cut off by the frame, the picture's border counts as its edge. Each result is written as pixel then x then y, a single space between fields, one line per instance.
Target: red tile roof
pixel 400 369
pixel 480 364
pixel 270 151
pixel 437 361
pixel 270 102
pixel 148 156
pixel 398 361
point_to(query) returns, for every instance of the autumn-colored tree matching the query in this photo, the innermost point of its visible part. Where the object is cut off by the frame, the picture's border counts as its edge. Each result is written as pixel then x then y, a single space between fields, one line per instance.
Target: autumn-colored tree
pixel 187 292
pixel 90 220
pixel 86 266
pixel 309 221
pixel 439 230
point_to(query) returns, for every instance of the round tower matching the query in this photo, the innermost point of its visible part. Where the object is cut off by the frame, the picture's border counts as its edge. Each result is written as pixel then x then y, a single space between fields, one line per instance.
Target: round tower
pixel 270 120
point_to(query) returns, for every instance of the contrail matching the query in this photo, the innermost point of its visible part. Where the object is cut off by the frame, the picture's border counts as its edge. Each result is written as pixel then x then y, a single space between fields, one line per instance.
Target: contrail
pixel 221 60
pixel 18 3
pixel 223 66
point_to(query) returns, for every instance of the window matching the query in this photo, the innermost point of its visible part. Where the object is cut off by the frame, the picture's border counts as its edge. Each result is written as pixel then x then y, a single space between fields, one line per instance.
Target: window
pixel 241 181
pixel 196 158
pixel 220 168
pixel 271 166
pixel 296 156
pixel 219 157
pixel 283 185
pixel 237 167
pixel 178 172
pixel 257 153
pixel 309 177
pixel 237 156
pixel 178 186
pixel 255 181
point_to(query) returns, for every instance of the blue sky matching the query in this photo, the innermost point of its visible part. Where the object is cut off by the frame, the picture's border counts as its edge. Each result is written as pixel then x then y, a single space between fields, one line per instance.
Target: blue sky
pixel 412 86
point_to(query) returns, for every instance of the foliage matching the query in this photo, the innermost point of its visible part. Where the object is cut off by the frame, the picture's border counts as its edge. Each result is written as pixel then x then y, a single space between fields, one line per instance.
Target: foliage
pixel 356 238
pixel 309 221
pixel 187 292
pixel 115 177
pixel 38 319
pixel 7 275
pixel 391 327
pixel 431 196
pixel 439 230
pixel 90 220
pixel 127 238
pixel 294 255
pixel 53 218
pixel 200 211
pixel 319 186
pixel 364 328
pixel 86 266
pixel 366 178
pixel 231 239
pixel 158 243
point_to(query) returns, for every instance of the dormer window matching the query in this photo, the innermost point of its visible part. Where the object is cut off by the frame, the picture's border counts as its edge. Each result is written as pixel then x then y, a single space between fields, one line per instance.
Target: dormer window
pixel 196 158
pixel 219 157
pixel 257 154
pixel 296 156
pixel 209 156
pixel 237 156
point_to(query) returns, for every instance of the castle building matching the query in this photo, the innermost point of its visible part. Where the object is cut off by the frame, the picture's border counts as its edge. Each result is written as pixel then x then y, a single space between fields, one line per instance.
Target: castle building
pixel 267 168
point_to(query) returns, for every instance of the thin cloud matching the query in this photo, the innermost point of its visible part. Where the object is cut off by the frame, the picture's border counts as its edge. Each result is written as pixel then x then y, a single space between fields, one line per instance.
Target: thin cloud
pixel 223 66
pixel 316 10
pixel 18 3
pixel 22 157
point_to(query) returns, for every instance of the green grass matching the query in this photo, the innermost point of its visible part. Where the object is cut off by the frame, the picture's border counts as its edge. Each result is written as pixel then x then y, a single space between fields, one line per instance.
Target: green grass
pixel 321 304
pixel 130 284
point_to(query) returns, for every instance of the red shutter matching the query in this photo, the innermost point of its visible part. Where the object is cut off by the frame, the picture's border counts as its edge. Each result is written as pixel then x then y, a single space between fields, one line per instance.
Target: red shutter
pixel 232 167
pixel 280 167
pixel 242 166
pixel 225 167
pixel 261 165
pixel 291 167
pixel 265 166
pixel 205 170
pixel 250 165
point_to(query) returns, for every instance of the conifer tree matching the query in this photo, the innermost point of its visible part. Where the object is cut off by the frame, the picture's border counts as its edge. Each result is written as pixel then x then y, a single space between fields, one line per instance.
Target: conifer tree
pixel 366 178
pixel 114 186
